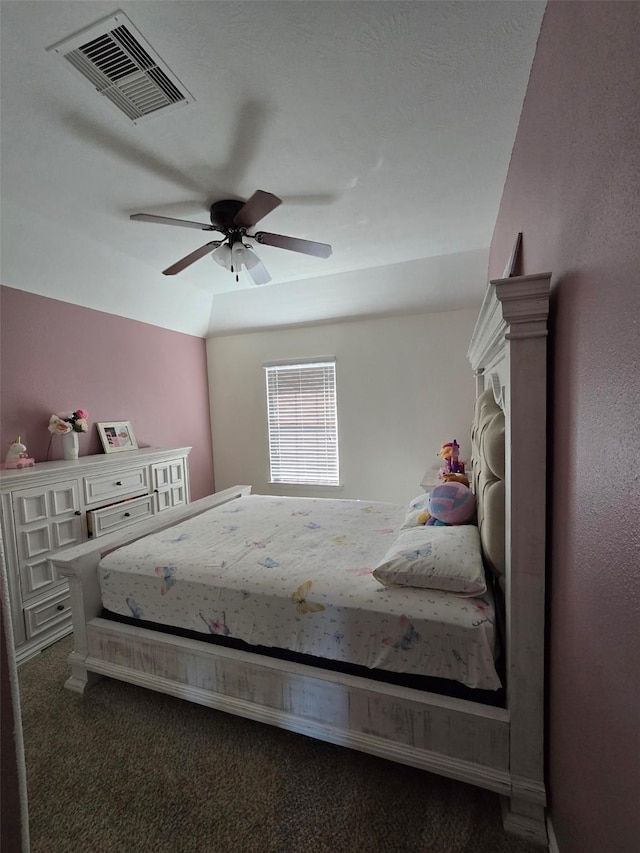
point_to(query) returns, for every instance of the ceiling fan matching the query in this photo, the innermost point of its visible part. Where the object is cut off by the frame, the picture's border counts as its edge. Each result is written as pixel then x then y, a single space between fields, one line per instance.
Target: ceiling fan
pixel 233 219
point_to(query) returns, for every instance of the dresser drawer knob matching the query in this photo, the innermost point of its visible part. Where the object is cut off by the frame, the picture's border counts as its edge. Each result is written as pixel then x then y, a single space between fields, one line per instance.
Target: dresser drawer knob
pixel 127 514
pixel 60 607
pixel 77 512
pixel 118 482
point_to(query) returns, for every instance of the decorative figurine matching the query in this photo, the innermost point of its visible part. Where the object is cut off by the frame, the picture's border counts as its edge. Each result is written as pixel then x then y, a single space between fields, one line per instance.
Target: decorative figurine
pixel 450 455
pixel 17 456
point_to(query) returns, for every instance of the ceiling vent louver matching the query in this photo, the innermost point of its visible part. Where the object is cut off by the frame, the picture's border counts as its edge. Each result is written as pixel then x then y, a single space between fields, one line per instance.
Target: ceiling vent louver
pixel 121 65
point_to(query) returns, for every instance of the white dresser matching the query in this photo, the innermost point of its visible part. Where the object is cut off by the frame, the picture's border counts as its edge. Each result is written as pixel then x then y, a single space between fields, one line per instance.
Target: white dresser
pixel 58 504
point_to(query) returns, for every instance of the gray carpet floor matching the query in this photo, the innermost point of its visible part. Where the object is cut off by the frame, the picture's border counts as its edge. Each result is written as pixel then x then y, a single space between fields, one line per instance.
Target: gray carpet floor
pixel 127 770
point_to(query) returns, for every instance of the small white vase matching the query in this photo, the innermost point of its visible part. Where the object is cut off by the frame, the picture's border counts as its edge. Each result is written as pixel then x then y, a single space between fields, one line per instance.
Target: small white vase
pixel 70 445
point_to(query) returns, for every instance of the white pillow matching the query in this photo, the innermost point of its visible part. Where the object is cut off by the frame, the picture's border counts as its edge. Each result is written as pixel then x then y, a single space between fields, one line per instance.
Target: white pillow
pixel 417 512
pixel 445 558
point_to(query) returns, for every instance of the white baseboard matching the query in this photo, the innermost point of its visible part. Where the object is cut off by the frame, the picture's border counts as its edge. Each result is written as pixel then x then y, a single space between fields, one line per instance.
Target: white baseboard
pixel 553 841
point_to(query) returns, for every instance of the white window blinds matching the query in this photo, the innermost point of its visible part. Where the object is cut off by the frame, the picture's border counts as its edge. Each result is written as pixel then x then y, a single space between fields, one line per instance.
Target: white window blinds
pixel 303 422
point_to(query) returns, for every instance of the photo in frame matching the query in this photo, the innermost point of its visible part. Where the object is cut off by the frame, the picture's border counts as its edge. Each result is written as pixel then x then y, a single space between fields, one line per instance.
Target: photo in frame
pixel 117 436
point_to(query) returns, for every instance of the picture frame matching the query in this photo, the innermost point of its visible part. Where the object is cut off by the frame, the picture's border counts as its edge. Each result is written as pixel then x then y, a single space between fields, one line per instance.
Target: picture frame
pixel 509 270
pixel 117 436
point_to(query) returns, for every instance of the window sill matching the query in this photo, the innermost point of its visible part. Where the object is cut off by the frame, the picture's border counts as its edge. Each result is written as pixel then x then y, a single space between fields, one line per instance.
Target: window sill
pixel 306 486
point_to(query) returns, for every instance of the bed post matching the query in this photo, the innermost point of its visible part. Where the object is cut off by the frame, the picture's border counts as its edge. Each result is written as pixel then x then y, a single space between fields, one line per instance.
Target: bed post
pixel 508 353
pixel 86 603
pixel 525 307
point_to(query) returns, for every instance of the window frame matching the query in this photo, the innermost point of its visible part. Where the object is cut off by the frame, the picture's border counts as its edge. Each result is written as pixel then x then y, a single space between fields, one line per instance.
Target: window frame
pixel 324 468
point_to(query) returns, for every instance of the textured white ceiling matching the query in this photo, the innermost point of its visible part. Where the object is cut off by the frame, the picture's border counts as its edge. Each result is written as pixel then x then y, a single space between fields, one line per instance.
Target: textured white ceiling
pixel 385 127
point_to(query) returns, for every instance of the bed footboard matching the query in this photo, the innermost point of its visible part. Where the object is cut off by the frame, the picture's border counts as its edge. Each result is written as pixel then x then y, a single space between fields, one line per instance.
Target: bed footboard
pixel 80 566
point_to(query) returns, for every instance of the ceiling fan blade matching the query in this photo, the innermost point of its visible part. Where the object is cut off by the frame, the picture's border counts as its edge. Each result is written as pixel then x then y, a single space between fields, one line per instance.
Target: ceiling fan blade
pixel 294 244
pixel 256 208
pixel 183 263
pixel 167 220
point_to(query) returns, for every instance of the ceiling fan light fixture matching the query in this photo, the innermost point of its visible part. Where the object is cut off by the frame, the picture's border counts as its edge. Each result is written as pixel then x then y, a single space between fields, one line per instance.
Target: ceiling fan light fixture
pixel 250 259
pixel 238 254
pixel 222 256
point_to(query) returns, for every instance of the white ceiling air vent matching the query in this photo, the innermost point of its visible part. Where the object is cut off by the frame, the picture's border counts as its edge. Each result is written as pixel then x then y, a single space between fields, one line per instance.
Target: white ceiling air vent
pixel 114 57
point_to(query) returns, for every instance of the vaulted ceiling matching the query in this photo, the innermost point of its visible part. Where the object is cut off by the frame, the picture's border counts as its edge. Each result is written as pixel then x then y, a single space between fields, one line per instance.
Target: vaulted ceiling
pixel 385 128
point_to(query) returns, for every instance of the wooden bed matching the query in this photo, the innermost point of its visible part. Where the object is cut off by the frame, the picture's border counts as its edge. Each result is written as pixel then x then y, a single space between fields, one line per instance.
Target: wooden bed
pixel 493 747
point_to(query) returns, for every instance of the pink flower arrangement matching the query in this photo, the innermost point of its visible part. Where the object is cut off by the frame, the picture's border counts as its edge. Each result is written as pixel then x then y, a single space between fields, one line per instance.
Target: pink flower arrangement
pixel 65 422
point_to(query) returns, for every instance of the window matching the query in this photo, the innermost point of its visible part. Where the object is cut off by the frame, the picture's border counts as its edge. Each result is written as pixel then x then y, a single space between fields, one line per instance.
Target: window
pixel 303 422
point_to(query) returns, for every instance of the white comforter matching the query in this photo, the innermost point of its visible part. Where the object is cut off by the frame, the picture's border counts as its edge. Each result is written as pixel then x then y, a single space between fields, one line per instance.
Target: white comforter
pixel 295 573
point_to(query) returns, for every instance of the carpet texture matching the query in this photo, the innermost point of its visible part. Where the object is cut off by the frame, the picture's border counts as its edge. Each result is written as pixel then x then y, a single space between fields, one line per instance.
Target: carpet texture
pixel 127 770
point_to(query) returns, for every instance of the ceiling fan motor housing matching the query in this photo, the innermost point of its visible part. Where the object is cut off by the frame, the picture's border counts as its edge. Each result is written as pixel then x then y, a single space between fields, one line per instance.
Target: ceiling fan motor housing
pixel 223 213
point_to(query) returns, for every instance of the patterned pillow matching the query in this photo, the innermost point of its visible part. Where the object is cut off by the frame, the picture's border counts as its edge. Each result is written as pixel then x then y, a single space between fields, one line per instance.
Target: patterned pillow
pixel 417 512
pixel 445 558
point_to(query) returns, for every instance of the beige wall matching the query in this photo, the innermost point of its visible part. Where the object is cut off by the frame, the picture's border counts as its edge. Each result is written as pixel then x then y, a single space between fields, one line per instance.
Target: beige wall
pixel 404 387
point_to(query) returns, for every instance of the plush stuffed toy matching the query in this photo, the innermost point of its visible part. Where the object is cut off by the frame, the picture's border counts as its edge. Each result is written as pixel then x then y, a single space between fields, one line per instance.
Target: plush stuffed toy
pixel 17 456
pixel 445 452
pixel 451 503
pixel 17 450
pixel 455 478
pixel 450 453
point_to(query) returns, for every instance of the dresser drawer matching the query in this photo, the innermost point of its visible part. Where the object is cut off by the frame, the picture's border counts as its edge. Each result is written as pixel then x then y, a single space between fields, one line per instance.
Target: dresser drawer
pixel 110 518
pixel 100 488
pixel 40 618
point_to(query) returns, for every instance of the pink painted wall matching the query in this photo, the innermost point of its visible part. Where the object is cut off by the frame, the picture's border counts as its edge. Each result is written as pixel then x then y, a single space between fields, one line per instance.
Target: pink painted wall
pixel 55 357
pixel 573 189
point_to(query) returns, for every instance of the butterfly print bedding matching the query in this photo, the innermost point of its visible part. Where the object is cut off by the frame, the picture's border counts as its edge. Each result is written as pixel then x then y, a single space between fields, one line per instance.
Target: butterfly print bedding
pixel 295 573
